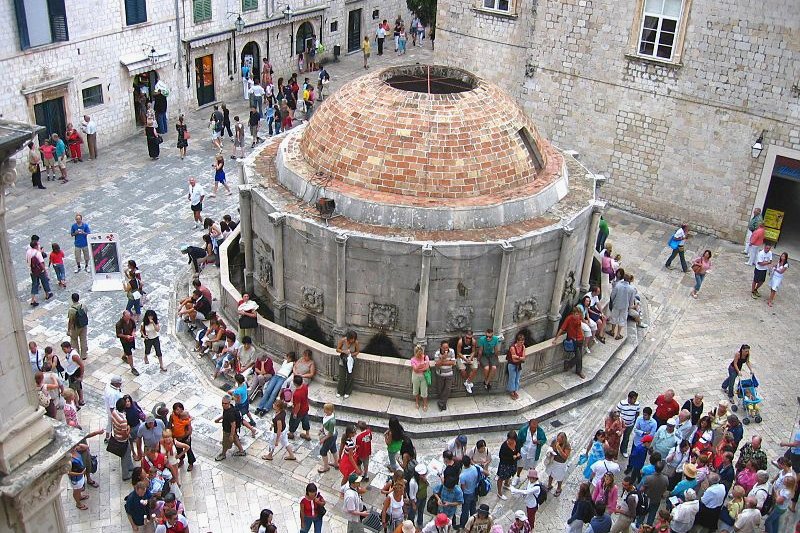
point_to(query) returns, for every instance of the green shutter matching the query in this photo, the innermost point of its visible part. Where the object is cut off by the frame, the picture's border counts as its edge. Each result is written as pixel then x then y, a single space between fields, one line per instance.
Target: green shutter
pixel 249 5
pixel 202 10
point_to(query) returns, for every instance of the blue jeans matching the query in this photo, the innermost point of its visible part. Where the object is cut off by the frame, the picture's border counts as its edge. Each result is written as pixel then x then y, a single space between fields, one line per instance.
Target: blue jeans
pixel 61 274
pixel 270 392
pixel 698 280
pixel 258 103
pixel 652 511
pixel 419 513
pixel 514 372
pixel 307 521
pixel 773 521
pixel 161 119
pixel 731 381
pixel 467 508
pixel 134 304
pixel 675 253
pixel 36 280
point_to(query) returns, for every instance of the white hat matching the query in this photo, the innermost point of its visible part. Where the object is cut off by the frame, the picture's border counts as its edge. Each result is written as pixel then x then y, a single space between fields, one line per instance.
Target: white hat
pixel 521 515
pixel 421 469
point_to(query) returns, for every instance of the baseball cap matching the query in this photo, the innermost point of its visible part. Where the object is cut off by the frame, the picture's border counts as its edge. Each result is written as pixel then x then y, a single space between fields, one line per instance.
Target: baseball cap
pixel 673 421
pixel 647 438
pixel 533 474
pixel 483 509
pixel 354 478
pixel 521 515
pixel 462 439
pixel 441 520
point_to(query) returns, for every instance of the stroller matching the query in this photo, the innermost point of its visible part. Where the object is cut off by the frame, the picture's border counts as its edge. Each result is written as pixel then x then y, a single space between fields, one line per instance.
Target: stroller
pixel 751 401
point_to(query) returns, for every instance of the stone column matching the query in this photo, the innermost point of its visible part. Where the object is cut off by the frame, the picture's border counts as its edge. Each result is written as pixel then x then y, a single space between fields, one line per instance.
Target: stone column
pixel 554 314
pixel 502 286
pixel 33 448
pixel 591 239
pixel 424 289
pixel 341 283
pixel 246 237
pixel 278 220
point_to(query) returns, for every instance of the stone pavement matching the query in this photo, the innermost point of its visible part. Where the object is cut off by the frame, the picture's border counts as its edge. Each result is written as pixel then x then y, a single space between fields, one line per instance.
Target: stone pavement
pixel 687 347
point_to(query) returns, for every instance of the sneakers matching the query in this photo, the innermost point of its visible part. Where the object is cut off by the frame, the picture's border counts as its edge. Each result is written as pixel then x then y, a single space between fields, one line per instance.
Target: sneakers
pixel 502 497
pixel 87 268
pixel 587 350
pixel 338 395
pixel 642 325
pixel 239 454
pixel 220 457
pixel 625 455
pixel 468 387
pixel 78 269
pixel 346 396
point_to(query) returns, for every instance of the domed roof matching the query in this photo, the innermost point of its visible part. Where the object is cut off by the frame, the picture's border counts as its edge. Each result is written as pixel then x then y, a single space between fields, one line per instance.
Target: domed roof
pixel 429 132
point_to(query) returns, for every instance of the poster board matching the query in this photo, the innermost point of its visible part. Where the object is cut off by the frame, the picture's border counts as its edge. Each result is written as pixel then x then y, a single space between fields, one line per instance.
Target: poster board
pixel 773 220
pixel 106 265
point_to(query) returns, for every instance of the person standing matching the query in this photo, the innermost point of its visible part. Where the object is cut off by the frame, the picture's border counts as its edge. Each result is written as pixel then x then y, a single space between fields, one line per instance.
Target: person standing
pixel 121 432
pixel 777 279
pixel 181 426
pixel 572 327
pixel 231 421
pixel 626 509
pixel 755 221
pixel 89 128
pixel 366 49
pixel 77 325
pixel 35 166
pixel 623 298
pixel 300 409
pixel 677 242
pixel 531 493
pixel 74 142
pixel 257 97
pixel 700 266
pixel 515 358
pixel 79 232
pixel 153 141
pixel 353 504
pixel 183 136
pixel 348 350
pixel 312 508
pixel 380 37
pixel 35 357
pixel 530 438
pixel 255 123
pixel 150 330
pixel 61 156
pixel 763 264
pixel 160 107
pixel 756 242
pixel 126 333
pixel 196 196
pixel 444 361
pixel 238 138
pixel 629 411
pixel 488 351
pixel 602 234
pixel 111 394
pixel 420 367
pixel 38 271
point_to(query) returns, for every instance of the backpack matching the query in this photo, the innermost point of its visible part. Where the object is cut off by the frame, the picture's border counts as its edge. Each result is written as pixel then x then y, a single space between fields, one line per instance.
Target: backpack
pixel 432 506
pixel 81 318
pixel 642 503
pixel 37 267
pixel 542 496
pixel 484 483
pixel 769 503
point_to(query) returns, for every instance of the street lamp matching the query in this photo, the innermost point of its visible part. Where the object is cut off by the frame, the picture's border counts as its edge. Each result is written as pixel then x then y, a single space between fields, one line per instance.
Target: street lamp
pixel 758 146
pixel 287 12
pixel 153 56
pixel 239 24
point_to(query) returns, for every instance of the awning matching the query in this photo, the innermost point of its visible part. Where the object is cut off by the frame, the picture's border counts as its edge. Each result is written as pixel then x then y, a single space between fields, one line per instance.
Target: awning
pixel 297 16
pixel 205 40
pixel 139 62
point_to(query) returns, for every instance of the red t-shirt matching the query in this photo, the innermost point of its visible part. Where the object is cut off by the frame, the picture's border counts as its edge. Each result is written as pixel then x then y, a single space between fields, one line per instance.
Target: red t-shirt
pixel 572 327
pixel 666 409
pixel 160 462
pixel 57 258
pixel 310 507
pixel 364 444
pixel 300 401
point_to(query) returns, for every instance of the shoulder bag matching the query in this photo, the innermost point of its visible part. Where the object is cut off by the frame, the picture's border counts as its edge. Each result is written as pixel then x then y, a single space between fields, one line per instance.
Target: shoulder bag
pixel 116 447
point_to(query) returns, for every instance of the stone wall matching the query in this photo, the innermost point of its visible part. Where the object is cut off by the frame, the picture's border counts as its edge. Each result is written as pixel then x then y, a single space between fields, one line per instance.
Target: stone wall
pixel 672 138
pixel 99 38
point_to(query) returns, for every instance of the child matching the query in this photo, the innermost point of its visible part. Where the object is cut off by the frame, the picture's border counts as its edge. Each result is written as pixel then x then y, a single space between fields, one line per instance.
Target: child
pixel 49 157
pixel 277 119
pixel 327 438
pixel 662 522
pixel 271 119
pixel 174 451
pixel 287 120
pixel 57 262
pixel 364 447
pixel 753 409
pixel 219 176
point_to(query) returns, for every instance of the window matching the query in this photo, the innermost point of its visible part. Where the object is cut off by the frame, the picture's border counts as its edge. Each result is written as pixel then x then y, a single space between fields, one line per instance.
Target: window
pixel 135 12
pixel 334 26
pixel 92 96
pixel 41 22
pixel 249 5
pixel 375 14
pixel 202 10
pixel 497 5
pixel 660 21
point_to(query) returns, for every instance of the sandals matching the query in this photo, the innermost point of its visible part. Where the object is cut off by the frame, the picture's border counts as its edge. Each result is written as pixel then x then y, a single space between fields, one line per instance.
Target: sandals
pixel 557 493
pixel 618 337
pixel 323 470
pixel 81 506
pixel 305 437
pixel 93 483
pixel 85 497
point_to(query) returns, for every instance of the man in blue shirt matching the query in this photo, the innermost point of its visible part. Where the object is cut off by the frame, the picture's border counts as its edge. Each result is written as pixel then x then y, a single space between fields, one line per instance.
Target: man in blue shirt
pixel 488 348
pixel 645 425
pixel 61 156
pixel 79 231
pixel 449 497
pixel 469 485
pixel 134 508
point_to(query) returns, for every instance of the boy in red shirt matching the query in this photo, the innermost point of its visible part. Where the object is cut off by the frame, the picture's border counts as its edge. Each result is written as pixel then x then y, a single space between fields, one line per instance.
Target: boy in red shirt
pixel 299 409
pixel 364 447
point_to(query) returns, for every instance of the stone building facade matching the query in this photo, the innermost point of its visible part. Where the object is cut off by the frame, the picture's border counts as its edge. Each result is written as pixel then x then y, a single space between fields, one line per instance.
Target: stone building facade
pixel 663 97
pixel 65 58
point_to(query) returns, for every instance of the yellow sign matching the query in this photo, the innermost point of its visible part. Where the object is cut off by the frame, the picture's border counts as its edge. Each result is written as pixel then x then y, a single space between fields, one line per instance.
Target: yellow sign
pixel 773 219
pixel 771 234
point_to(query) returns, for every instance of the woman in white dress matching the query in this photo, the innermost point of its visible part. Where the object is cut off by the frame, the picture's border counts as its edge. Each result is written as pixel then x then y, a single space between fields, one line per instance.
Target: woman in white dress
pixel 557 467
pixel 777 276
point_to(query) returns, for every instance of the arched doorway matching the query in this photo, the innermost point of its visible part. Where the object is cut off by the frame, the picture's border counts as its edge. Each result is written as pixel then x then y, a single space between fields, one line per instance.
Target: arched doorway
pixel 305 38
pixel 251 56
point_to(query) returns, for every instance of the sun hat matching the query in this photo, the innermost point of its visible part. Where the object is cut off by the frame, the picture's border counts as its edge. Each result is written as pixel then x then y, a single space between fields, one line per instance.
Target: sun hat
pixel 673 421
pixel 690 470
pixel 533 474
pixel 408 526
pixel 520 515
pixel 421 469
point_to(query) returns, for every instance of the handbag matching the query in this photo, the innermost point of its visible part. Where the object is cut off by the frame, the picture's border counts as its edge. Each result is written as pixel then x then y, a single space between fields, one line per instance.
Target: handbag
pixel 569 345
pixel 44 399
pixel 696 268
pixel 432 505
pixel 428 376
pixel 186 135
pixel 93 465
pixel 673 243
pixel 116 447
pixel 247 322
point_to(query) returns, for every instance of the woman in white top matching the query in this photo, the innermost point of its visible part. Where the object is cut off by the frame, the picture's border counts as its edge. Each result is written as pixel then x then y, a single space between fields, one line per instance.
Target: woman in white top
pixel 392 514
pixel 150 329
pixel 480 456
pixel 777 276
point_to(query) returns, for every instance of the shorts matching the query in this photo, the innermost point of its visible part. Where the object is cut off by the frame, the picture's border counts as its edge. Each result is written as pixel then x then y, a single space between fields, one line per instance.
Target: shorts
pixel 461 364
pixel 128 347
pixel 238 143
pixel 49 163
pixel 489 360
pixel 759 276
pixel 243 408
pixel 215 135
pixel 75 382
pixel 329 446
pixel 77 483
pixel 62 161
pixel 219 177
pixel 197 207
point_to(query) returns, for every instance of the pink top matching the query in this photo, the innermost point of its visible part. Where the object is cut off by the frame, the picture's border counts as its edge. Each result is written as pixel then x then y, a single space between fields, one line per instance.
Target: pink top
pixel 418 366
pixel 610 499
pixel 705 265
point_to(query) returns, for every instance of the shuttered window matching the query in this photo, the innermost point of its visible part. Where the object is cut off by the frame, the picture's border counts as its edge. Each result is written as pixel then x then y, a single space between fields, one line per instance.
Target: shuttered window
pixel 249 5
pixel 135 12
pixel 36 28
pixel 202 10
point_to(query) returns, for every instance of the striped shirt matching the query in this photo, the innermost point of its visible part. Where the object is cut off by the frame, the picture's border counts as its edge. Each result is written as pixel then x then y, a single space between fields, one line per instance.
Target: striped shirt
pixel 628 412
pixel 119 424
